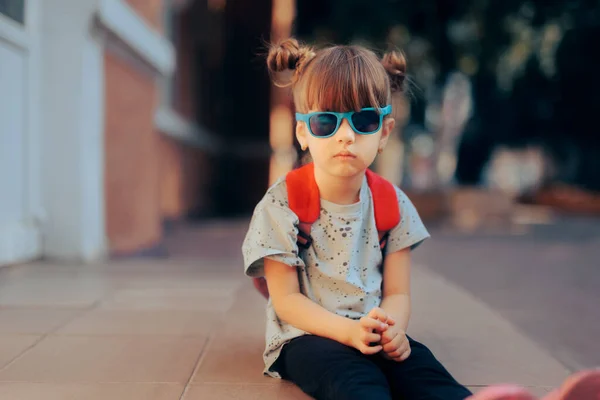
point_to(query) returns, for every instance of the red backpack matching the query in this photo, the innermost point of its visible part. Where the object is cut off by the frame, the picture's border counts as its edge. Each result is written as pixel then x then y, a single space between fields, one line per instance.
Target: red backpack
pixel 304 201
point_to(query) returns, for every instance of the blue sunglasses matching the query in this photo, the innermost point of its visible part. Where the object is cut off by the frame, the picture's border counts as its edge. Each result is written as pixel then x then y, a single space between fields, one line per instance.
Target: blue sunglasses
pixel 324 124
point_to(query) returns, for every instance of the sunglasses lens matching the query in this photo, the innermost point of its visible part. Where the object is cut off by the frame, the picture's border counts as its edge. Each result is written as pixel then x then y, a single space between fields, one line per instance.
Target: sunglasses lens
pixel 323 124
pixel 366 121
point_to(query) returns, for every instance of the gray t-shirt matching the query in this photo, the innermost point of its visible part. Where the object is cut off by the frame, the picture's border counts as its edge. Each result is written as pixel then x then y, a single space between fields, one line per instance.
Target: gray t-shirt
pixel 341 271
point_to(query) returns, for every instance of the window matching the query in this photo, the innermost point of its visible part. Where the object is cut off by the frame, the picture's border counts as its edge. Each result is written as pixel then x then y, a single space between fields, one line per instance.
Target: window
pixel 13 9
pixel 170 19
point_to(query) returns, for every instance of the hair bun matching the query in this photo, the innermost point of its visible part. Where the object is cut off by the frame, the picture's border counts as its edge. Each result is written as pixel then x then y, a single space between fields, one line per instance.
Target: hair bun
pixel 395 64
pixel 288 55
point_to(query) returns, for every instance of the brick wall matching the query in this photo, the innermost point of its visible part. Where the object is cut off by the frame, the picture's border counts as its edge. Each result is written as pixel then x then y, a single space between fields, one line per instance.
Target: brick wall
pixel 150 10
pixel 132 163
pixel 132 146
pixel 149 177
pixel 171 178
pixel 185 178
pixel 185 171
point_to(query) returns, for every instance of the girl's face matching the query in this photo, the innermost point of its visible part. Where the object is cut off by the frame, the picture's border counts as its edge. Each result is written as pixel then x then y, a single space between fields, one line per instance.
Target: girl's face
pixel 346 153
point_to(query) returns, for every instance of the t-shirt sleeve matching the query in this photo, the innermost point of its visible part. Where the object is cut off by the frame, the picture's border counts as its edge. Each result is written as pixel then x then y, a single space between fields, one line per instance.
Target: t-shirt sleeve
pixel 272 233
pixel 411 231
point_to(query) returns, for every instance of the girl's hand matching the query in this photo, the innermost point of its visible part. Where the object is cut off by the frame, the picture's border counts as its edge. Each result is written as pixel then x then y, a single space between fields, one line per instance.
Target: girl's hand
pixel 368 330
pixel 395 344
pixel 380 315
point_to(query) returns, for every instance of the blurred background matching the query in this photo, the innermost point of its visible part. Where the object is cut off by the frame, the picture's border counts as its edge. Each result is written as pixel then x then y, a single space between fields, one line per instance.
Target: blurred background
pixel 125 122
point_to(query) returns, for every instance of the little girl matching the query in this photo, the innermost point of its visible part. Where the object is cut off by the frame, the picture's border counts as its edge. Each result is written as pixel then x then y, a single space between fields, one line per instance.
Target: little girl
pixel 339 302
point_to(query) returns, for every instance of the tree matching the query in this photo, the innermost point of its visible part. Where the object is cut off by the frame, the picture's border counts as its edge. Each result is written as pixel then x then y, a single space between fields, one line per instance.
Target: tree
pixel 531 63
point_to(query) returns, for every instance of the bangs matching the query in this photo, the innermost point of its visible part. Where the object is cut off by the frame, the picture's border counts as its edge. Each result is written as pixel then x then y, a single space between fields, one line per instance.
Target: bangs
pixel 342 79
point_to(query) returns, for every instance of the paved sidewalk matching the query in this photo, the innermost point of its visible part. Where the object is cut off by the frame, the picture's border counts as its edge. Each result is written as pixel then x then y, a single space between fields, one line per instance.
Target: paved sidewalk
pixel 191 327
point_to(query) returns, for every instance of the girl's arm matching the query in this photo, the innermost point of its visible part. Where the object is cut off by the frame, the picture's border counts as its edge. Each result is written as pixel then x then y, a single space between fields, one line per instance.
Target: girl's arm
pixel 396 287
pixel 298 310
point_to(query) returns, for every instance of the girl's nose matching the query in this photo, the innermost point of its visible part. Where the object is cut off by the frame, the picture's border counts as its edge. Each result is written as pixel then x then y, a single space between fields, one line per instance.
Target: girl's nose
pixel 345 133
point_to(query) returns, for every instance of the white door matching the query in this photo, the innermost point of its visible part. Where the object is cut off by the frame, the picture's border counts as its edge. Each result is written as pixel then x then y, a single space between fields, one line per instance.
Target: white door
pixel 19 131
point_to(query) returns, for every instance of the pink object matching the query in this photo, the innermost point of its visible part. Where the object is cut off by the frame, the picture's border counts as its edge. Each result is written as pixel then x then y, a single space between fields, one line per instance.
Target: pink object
pixel 261 285
pixel 584 385
pixel 503 392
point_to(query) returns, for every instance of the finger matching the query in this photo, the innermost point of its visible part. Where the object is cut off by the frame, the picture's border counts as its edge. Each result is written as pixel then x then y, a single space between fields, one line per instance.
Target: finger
pixel 370 350
pixel 393 350
pixel 378 313
pixel 387 337
pixel 394 355
pixel 392 344
pixel 390 348
pixel 403 345
pixel 405 355
pixel 370 323
pixel 399 354
pixel 391 321
pixel 371 338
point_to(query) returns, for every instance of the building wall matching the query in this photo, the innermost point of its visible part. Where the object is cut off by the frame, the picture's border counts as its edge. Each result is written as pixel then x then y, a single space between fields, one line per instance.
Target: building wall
pixel 132 157
pixel 132 145
pixel 104 177
pixel 150 176
pixel 185 168
pixel 198 175
pixel 150 10
pixel 185 179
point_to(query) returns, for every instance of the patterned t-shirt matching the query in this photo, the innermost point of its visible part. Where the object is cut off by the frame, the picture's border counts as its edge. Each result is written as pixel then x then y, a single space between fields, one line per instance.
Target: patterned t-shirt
pixel 341 270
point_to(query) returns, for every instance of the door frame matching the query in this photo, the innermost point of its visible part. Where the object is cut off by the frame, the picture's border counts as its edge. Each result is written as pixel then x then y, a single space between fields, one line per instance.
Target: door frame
pixel 23 239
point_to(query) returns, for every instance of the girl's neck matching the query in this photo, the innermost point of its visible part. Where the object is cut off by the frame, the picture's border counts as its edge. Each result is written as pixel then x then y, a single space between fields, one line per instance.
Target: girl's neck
pixel 339 190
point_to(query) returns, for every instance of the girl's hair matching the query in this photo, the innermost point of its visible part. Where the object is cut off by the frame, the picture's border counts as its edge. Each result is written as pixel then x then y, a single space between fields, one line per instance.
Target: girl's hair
pixel 337 78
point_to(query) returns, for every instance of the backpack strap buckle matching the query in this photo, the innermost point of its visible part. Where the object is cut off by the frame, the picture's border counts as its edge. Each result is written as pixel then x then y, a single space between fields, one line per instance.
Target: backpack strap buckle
pixel 383 239
pixel 304 239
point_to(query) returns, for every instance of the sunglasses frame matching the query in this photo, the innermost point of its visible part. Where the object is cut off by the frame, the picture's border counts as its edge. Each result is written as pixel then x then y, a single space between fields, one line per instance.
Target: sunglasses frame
pixel 383 111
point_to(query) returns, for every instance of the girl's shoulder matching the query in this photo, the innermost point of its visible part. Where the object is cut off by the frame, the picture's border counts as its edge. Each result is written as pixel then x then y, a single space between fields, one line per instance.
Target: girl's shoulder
pixel 401 195
pixel 278 191
pixel 276 195
pixel 275 202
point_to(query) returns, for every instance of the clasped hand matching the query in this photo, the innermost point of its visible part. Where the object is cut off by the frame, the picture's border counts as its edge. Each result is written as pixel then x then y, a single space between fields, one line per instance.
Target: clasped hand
pixel 377 332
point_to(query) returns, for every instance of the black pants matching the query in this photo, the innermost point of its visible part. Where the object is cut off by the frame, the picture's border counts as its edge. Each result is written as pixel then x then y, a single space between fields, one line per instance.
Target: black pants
pixel 328 370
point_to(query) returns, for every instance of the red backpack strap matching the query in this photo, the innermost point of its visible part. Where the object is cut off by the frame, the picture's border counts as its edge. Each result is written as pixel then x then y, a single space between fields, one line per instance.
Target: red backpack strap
pixel 385 204
pixel 304 200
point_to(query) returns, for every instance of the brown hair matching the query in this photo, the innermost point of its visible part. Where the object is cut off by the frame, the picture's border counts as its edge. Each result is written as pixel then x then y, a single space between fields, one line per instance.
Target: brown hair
pixel 337 78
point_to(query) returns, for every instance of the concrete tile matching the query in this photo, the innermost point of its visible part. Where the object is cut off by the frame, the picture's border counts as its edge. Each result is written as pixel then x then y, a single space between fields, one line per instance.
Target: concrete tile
pixel 44 269
pixel 476 344
pixel 140 298
pixel 12 345
pixel 93 391
pixel 197 280
pixel 242 391
pixel 520 276
pixel 536 391
pixel 53 291
pixel 33 320
pixel 68 359
pixel 235 354
pixel 142 323
pixel 233 361
pixel 212 299
pixel 248 313
pixel 221 267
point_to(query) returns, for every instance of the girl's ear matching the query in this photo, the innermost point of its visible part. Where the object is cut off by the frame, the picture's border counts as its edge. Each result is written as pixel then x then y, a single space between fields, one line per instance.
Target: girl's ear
pixel 386 130
pixel 301 135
